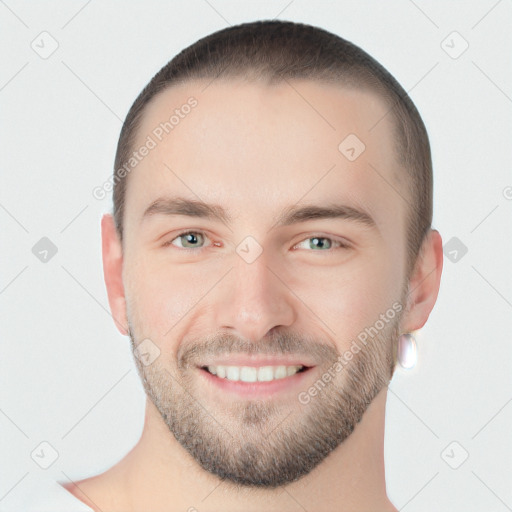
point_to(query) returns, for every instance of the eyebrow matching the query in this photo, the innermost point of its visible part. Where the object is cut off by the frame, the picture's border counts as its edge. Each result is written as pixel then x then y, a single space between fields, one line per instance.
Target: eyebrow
pixel 294 214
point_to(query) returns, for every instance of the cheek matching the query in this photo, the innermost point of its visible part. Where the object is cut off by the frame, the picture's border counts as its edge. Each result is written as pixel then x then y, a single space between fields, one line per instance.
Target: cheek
pixel 352 296
pixel 162 294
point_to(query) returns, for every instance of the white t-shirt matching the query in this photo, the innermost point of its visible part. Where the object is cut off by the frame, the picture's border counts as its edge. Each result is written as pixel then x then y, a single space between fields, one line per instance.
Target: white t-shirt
pixel 45 495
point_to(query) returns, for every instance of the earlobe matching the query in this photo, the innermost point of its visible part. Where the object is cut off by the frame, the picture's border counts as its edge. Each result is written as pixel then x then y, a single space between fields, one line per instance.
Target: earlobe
pixel 113 272
pixel 424 283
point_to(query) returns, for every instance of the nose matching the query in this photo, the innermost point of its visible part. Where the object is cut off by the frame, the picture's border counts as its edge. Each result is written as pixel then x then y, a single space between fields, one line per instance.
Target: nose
pixel 253 299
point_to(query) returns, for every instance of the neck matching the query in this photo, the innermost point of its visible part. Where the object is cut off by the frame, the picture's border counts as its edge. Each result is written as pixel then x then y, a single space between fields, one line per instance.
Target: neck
pixel 159 475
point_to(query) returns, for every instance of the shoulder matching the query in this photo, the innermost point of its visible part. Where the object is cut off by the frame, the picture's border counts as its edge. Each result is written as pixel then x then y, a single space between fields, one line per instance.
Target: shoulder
pixel 86 490
pixel 102 492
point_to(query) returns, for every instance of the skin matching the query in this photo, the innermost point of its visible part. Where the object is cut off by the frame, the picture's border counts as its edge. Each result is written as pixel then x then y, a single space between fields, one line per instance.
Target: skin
pixel 255 150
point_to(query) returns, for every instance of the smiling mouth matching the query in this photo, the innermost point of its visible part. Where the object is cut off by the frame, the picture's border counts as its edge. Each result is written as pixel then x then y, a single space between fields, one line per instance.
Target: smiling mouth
pixel 253 374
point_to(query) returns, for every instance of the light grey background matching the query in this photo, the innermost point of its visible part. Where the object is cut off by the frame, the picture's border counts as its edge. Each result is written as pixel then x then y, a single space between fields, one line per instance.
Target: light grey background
pixel 66 374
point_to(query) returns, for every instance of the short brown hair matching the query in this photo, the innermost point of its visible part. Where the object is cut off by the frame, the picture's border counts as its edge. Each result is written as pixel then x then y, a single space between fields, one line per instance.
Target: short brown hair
pixel 273 51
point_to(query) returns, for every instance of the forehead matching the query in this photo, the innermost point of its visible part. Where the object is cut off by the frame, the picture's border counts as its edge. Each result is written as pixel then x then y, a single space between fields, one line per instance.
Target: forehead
pixel 256 149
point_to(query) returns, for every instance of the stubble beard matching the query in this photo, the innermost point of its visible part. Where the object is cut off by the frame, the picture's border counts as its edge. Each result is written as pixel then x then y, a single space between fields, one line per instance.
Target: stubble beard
pixel 260 443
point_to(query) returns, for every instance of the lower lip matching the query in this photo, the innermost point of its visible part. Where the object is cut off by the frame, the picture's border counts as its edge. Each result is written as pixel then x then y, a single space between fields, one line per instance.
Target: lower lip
pixel 258 389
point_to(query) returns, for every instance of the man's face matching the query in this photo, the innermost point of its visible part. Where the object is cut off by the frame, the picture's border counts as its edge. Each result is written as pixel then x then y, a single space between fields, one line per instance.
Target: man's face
pixel 293 294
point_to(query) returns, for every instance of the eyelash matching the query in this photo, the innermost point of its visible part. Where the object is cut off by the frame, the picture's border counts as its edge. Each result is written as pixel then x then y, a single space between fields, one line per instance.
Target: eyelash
pixel 342 245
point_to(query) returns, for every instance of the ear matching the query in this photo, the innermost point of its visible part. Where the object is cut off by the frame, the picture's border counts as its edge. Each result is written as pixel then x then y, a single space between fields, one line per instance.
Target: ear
pixel 113 272
pixel 424 282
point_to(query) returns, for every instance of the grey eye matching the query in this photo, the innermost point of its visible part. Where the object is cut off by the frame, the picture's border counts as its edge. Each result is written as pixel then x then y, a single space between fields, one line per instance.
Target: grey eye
pixel 190 239
pixel 319 242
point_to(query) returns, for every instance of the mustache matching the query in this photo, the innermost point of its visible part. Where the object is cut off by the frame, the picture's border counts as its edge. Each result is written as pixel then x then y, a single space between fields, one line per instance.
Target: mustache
pixel 275 344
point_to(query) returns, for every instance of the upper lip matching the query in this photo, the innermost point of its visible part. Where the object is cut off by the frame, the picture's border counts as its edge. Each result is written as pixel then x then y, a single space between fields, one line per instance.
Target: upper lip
pixel 259 360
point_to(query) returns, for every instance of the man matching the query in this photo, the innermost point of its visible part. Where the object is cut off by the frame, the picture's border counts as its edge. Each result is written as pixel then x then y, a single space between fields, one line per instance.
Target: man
pixel 271 241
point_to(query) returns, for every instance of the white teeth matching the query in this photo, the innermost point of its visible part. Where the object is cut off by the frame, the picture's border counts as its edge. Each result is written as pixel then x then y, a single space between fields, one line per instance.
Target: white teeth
pixel 233 373
pixel 252 373
pixel 265 373
pixel 280 372
pixel 248 374
pixel 290 370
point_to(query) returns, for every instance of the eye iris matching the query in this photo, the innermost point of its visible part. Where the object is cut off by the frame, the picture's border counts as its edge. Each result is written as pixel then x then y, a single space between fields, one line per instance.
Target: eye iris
pixel 190 238
pixel 321 244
